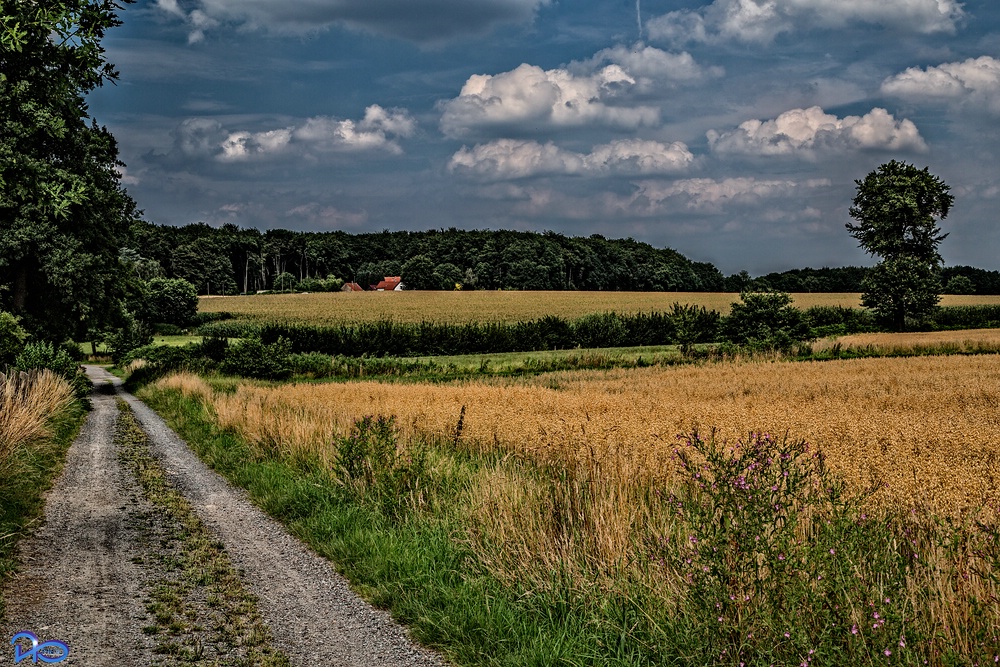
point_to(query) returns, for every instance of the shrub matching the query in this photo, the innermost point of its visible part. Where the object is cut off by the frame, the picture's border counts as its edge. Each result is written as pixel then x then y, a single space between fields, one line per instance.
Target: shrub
pixel 311 364
pixel 12 337
pixel 43 355
pixel 255 359
pixel 765 321
pixel 132 334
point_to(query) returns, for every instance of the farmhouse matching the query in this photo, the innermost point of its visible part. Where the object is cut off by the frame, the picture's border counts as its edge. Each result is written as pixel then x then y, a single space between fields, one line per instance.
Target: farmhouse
pixel 389 284
pixel 351 287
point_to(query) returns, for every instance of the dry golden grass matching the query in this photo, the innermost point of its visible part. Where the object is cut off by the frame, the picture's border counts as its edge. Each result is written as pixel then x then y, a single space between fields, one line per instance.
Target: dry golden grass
pixel 28 401
pixel 416 306
pixel 926 430
pixel 966 340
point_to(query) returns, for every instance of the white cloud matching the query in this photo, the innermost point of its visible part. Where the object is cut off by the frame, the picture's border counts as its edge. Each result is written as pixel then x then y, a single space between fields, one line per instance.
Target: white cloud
pixel 651 66
pixel 761 21
pixel 974 82
pixel 378 130
pixel 706 194
pixel 512 158
pixel 529 96
pixel 807 131
pixel 416 20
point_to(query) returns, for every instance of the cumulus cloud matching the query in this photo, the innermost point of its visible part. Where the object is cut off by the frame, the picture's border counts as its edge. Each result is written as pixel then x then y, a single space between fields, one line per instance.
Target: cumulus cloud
pixel 511 158
pixel 650 66
pixel 532 97
pixel 761 21
pixel 378 130
pixel 974 82
pixel 707 194
pixel 415 20
pixel 806 131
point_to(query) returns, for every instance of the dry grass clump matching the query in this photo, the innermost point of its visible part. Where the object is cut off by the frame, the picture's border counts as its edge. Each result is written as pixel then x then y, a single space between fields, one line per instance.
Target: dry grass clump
pixel 28 402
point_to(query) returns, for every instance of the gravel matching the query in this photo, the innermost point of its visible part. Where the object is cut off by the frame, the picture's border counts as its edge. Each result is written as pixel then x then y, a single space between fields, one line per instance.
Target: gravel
pixel 315 617
pixel 80 584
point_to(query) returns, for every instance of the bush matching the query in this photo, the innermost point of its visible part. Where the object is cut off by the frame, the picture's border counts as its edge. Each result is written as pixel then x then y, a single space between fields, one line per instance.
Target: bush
pixel 170 301
pixel 255 359
pixel 133 334
pixel 12 337
pixel 42 355
pixel 311 364
pixel 838 320
pixel 765 321
pixel 167 330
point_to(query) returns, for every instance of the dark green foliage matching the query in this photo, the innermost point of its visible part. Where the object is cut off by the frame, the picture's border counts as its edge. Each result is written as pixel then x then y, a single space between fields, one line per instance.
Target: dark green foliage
pixel 902 291
pixel 41 355
pixel 170 301
pixel 311 364
pixel 255 359
pixel 63 212
pixel 433 259
pixel 966 317
pixel 765 320
pixel 897 208
pixel 959 285
pixel 838 320
pixel 132 333
pixel 12 338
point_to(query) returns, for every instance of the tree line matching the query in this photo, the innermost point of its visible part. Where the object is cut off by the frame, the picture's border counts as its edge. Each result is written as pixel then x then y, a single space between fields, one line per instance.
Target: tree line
pixel 232 260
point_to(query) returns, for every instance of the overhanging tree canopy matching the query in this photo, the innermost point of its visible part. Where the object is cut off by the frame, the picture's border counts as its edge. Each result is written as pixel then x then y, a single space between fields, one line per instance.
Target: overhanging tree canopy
pixel 63 212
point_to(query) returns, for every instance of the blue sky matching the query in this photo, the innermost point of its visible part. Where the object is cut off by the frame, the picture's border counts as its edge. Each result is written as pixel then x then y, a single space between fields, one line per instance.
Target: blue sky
pixel 731 130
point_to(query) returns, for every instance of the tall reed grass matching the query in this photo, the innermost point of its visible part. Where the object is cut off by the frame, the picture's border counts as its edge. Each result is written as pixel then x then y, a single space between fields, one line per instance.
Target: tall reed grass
pixel 28 404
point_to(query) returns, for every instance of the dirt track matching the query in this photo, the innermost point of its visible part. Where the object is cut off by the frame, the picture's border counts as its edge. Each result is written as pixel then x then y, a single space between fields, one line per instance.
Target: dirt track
pixel 80 584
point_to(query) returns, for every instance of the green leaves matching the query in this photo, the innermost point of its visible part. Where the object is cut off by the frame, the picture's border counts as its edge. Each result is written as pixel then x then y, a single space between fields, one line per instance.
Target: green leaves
pixel 897 208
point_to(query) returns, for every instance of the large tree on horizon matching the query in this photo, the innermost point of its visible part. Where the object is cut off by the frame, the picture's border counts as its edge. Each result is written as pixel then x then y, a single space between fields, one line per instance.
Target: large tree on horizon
pixel 897 208
pixel 63 211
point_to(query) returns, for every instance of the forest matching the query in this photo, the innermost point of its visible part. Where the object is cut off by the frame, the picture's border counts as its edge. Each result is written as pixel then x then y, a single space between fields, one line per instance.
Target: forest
pixel 233 260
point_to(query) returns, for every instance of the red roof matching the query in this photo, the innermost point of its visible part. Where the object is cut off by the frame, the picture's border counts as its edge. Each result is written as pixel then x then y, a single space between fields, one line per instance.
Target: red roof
pixel 353 287
pixel 389 283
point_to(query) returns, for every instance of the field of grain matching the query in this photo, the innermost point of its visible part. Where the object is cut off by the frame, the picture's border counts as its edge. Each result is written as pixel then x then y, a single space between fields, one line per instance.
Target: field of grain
pixel 924 431
pixel 480 306
pixel 964 340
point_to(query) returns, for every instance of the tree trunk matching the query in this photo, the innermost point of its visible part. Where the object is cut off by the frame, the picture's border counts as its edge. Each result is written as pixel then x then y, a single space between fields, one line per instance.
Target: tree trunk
pixel 20 289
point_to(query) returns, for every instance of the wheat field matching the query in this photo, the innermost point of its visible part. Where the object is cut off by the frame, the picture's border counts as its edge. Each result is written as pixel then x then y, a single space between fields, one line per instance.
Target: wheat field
pixel 480 306
pixel 923 432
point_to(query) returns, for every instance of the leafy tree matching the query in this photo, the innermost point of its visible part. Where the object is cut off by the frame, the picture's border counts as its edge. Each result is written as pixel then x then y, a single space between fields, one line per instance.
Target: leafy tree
pixel 63 212
pixel 418 273
pixel 960 285
pixel 897 208
pixel 285 282
pixel 170 301
pixel 205 264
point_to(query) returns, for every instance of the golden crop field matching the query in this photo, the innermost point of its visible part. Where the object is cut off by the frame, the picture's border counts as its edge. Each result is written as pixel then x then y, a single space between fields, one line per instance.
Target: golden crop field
pixel 925 431
pixel 964 340
pixel 479 306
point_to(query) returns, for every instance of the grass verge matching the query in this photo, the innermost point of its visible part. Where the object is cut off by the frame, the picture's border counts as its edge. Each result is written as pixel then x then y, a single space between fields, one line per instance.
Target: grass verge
pixel 201 611
pixel 25 476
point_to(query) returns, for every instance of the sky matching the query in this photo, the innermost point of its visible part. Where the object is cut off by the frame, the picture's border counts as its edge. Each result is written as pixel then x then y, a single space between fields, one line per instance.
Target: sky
pixel 730 130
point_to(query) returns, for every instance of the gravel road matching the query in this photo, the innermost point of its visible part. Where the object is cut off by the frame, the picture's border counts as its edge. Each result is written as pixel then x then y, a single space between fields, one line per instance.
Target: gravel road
pixel 79 584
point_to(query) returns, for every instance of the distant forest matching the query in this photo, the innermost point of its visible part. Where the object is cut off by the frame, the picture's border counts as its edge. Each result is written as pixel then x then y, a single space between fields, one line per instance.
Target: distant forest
pixel 232 260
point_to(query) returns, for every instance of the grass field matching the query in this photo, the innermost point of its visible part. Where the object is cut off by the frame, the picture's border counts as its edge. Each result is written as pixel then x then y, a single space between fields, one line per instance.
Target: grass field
pixel 574 490
pixel 924 430
pixel 479 306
